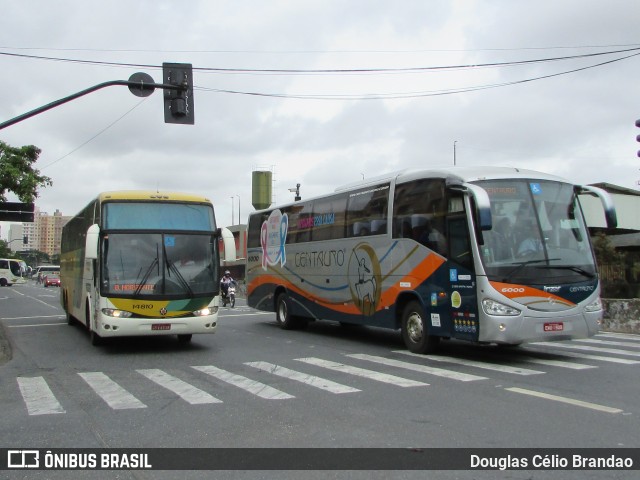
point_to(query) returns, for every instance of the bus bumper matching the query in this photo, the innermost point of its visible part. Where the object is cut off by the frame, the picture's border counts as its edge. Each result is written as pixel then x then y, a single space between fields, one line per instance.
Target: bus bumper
pixel 524 329
pixel 123 327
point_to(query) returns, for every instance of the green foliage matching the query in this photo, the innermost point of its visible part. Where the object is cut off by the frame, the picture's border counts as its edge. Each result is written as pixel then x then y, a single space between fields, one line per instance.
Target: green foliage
pixel 5 251
pixel 605 251
pixel 17 173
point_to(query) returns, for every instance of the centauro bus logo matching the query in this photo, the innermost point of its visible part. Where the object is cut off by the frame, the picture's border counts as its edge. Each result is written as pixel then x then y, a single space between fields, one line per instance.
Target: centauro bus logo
pixel 273 236
pixel 364 278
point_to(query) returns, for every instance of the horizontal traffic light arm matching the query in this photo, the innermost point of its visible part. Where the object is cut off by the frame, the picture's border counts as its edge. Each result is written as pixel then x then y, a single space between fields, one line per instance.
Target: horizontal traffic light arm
pixel 138 87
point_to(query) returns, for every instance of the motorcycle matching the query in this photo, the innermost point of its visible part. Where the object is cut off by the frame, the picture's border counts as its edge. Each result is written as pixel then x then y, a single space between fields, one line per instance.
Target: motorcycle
pixel 229 297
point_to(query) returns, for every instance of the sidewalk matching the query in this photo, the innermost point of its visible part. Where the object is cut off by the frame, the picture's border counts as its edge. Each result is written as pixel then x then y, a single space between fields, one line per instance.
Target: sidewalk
pixel 5 346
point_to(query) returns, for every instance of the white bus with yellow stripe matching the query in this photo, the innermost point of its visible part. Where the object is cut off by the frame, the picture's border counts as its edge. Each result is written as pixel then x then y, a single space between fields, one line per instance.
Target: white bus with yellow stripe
pixel 142 263
pixel 484 254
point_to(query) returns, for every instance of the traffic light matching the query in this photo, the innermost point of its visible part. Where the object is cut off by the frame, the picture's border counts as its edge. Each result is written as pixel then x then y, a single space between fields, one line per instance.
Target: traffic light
pixel 178 103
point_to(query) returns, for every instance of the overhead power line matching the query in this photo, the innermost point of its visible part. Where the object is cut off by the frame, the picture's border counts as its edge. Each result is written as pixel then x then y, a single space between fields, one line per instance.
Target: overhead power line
pixel 415 94
pixel 332 71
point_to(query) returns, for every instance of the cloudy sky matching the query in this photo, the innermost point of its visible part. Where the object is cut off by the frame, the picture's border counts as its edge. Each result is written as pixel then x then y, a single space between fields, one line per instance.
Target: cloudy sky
pixel 321 92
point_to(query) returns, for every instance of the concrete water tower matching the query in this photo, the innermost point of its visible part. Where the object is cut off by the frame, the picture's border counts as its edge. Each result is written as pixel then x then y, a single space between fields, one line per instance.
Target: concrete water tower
pixel 261 181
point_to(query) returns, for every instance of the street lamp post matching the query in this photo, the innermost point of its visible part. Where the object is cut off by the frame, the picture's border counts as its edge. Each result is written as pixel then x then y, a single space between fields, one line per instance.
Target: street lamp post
pixel 232 214
pixel 239 222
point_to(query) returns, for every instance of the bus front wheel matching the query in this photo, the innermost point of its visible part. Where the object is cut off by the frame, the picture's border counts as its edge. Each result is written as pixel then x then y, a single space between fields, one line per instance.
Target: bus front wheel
pixel 283 313
pixel 415 331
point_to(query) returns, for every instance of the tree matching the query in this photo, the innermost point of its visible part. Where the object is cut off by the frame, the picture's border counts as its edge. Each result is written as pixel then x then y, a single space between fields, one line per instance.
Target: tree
pixel 5 251
pixel 17 173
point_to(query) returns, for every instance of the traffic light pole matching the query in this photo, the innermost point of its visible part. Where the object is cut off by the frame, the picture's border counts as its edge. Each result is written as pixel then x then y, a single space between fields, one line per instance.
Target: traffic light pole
pixel 140 84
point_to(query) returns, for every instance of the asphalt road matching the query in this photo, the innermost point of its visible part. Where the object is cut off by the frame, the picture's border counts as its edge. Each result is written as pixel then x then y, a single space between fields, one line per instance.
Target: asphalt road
pixel 253 385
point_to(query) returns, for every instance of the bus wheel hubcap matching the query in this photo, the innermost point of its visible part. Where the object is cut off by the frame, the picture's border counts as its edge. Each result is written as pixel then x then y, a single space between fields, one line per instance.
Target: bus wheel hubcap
pixel 415 328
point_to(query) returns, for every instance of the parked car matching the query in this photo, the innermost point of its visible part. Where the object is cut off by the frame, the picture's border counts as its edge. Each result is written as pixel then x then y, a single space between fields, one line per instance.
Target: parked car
pixel 52 280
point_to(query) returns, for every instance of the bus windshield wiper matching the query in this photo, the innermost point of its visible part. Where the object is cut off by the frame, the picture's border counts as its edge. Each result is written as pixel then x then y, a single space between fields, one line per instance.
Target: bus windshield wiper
pixel 521 265
pixel 147 274
pixel 579 270
pixel 172 268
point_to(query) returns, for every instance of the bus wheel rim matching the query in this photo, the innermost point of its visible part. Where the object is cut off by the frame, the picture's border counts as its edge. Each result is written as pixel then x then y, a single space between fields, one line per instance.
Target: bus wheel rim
pixel 415 328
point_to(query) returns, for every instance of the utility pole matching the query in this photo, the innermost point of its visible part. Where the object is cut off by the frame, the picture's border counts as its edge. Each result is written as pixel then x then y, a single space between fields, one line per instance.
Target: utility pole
pixel 454 152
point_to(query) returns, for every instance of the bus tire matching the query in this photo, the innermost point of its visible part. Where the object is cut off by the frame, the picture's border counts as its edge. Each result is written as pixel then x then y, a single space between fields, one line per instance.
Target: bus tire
pixel 283 313
pixel 185 338
pixel 415 330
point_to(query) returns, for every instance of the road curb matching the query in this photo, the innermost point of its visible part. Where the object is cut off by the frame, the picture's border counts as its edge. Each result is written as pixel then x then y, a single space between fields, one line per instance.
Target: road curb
pixel 5 346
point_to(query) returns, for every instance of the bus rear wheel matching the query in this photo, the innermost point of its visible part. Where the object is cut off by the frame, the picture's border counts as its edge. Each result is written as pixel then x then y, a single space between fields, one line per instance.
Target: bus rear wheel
pixel 415 331
pixel 283 314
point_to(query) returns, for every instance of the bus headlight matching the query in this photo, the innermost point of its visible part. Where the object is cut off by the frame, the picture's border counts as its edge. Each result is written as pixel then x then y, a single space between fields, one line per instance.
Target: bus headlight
pixel 491 307
pixel 205 311
pixel 594 306
pixel 112 312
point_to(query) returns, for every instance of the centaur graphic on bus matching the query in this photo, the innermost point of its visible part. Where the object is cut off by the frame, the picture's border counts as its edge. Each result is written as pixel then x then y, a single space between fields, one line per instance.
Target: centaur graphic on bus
pixel 487 254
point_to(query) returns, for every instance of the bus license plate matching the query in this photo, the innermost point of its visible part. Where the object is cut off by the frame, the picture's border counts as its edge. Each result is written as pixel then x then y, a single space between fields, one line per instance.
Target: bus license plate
pixel 554 327
pixel 160 326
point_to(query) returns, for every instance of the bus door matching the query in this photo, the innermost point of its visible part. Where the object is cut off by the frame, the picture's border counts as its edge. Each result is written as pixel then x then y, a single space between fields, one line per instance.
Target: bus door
pixel 461 287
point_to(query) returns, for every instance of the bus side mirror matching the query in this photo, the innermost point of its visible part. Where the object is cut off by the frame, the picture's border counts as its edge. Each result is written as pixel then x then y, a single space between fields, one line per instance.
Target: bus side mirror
pixel 91 242
pixel 229 244
pixel 483 203
pixel 610 214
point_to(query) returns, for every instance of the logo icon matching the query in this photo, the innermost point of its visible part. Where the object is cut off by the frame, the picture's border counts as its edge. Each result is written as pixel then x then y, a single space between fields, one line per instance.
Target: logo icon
pixel 23 459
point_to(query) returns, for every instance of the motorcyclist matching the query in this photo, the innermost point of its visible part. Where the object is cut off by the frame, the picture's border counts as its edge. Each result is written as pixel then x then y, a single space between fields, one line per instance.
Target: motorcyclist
pixel 225 281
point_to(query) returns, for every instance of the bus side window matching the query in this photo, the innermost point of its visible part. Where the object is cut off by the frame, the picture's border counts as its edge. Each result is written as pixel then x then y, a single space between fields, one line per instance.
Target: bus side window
pixel 419 210
pixel 367 211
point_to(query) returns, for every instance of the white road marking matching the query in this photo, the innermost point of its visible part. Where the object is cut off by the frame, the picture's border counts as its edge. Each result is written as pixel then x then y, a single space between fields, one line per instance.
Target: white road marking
pixel 252 386
pixel 38 397
pixel 609 342
pixel 476 364
pixel 361 372
pixel 463 377
pixel 311 380
pixel 184 390
pixel 557 363
pixel 38 325
pixel 572 346
pixel 599 358
pixel 570 401
pixel 113 394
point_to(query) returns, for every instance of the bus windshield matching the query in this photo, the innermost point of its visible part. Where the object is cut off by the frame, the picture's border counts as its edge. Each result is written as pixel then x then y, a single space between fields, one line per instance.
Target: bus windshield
pixel 538 236
pixel 138 265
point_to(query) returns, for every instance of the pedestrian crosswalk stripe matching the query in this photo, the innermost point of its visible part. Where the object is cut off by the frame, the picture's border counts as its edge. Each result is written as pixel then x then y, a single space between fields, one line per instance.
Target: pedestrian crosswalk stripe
pixel 311 380
pixel 463 377
pixel 614 343
pixel 570 401
pixel 113 394
pixel 38 397
pixel 624 336
pixel 557 363
pixel 476 364
pixel 615 351
pixel 184 390
pixel 362 372
pixel 600 358
pixel 252 386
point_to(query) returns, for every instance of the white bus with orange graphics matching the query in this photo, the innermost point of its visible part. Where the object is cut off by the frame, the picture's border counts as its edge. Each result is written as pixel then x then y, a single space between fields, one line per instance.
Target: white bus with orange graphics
pixel 486 254
pixel 142 263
